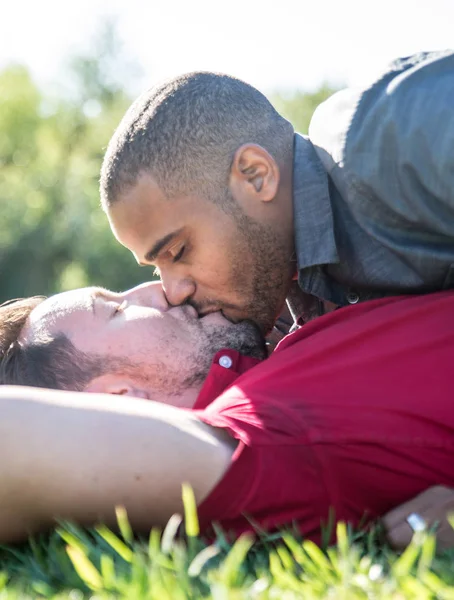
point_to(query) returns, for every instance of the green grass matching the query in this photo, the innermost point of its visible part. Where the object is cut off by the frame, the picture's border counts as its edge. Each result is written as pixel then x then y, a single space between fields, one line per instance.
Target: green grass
pixel 75 563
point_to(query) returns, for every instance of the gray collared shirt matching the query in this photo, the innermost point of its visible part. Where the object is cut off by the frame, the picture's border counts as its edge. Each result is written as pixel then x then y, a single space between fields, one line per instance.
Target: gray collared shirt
pixel 373 186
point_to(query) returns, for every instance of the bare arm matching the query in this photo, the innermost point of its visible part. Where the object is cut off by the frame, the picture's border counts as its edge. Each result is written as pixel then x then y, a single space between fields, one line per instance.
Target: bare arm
pixel 77 456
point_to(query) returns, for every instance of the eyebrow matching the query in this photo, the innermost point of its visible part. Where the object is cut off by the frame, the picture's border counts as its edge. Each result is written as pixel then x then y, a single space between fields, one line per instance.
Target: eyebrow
pixel 151 255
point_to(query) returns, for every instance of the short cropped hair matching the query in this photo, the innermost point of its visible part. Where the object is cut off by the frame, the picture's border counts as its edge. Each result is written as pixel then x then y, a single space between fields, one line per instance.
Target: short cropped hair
pixel 50 362
pixel 185 133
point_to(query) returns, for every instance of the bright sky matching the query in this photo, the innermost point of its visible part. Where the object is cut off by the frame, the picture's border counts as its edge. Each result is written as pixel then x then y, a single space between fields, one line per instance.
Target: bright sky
pixel 273 44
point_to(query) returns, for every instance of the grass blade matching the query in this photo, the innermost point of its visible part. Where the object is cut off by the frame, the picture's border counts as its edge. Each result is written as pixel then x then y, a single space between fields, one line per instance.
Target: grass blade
pixel 115 542
pixel 85 568
pixel 124 525
pixel 190 512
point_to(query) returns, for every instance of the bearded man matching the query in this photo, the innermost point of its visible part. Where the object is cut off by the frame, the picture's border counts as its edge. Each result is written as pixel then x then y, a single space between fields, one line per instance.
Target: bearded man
pixel 204 180
pixel 351 414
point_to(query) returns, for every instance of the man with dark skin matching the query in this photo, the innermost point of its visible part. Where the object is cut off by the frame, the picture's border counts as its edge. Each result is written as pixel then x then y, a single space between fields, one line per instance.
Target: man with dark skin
pixel 204 180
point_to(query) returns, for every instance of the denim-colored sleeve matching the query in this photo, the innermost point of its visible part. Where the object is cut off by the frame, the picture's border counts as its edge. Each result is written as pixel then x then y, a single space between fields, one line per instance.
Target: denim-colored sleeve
pixel 389 151
pixel 399 148
pixel 390 146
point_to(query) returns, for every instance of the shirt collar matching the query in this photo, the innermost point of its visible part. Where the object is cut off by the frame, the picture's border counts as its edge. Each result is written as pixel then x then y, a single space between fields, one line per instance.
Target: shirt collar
pixel 313 219
pixel 226 367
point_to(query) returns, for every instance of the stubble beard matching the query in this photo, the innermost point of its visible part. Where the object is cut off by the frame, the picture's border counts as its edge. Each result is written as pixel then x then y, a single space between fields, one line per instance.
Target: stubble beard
pixel 244 337
pixel 190 371
pixel 271 271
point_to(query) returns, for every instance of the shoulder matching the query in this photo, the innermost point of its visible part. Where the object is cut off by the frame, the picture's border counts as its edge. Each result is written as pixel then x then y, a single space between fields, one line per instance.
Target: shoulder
pixel 357 114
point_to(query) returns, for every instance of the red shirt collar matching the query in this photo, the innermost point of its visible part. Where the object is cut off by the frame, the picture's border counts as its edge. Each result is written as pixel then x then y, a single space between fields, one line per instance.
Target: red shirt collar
pixel 226 367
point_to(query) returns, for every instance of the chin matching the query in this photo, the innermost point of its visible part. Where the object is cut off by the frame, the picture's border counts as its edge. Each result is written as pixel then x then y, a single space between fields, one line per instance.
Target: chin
pixel 244 337
pixel 251 340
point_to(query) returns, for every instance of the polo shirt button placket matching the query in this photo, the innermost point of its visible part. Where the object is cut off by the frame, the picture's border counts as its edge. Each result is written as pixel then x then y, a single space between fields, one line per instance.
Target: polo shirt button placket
pixel 225 361
pixel 352 298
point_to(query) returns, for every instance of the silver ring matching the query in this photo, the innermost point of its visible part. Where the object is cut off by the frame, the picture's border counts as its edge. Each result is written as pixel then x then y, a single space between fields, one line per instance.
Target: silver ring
pixel 416 522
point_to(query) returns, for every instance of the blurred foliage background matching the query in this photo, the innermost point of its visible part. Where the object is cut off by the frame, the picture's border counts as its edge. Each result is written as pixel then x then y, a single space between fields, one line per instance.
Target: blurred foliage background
pixel 53 233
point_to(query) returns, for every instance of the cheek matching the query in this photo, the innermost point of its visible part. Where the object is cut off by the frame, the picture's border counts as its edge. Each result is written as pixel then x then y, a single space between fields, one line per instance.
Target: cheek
pixel 224 263
pixel 126 339
pixel 175 350
pixel 119 344
pixel 217 280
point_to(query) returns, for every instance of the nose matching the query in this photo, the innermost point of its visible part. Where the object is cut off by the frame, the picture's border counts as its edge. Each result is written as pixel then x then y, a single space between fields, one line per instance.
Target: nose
pixel 149 294
pixel 177 289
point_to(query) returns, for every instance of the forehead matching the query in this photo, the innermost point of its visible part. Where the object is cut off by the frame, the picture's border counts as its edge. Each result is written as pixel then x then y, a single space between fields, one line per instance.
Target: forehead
pixel 143 215
pixel 52 314
pixel 136 210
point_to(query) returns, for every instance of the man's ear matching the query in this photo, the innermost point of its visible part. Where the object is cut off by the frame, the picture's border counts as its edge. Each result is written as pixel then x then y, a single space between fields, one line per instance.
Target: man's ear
pixel 254 174
pixel 116 384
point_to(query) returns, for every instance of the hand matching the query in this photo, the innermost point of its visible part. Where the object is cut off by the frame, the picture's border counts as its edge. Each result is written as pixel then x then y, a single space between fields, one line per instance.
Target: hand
pixel 433 505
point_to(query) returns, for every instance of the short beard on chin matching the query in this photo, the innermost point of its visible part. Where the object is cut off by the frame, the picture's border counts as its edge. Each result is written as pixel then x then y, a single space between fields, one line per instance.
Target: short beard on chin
pixel 164 382
pixel 271 271
pixel 244 337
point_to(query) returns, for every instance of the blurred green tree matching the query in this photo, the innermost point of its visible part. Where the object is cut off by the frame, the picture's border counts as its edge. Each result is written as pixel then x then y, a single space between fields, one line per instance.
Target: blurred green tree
pixel 53 233
pixel 298 107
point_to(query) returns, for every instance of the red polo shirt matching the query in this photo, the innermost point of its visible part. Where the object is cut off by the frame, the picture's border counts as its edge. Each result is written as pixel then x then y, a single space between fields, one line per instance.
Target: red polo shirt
pixel 353 412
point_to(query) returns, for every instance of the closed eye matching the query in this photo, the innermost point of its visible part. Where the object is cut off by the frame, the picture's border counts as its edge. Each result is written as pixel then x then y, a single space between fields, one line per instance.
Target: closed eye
pixel 167 256
pixel 179 255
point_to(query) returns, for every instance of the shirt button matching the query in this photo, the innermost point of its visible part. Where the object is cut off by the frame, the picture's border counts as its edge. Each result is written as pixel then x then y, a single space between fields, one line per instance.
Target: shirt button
pixel 225 361
pixel 352 298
